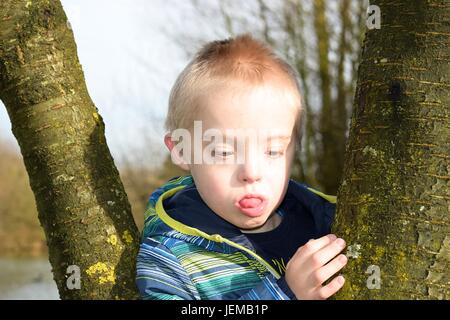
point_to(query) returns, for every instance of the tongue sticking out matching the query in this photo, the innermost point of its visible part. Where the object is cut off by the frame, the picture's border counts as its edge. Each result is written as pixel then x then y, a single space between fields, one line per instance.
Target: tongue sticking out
pixel 250 202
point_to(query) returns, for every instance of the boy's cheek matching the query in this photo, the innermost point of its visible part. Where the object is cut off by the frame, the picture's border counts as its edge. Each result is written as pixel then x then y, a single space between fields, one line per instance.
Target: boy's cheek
pixel 206 174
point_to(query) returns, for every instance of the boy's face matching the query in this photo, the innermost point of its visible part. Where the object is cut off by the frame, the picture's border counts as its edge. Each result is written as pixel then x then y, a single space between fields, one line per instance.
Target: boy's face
pixel 246 193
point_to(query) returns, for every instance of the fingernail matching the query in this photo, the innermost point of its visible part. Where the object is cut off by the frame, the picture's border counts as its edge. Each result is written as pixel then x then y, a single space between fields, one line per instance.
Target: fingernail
pixel 340 242
pixel 342 258
pixel 341 279
pixel 332 237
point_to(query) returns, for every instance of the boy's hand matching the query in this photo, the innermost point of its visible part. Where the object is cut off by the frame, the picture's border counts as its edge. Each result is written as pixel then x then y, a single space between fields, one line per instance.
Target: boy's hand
pixel 310 267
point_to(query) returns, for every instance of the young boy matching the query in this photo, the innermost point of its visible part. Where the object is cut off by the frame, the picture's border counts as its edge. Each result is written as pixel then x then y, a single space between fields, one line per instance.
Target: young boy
pixel 237 229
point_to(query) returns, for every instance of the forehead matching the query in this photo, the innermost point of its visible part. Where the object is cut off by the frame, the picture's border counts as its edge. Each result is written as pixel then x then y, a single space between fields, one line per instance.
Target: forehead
pixel 273 105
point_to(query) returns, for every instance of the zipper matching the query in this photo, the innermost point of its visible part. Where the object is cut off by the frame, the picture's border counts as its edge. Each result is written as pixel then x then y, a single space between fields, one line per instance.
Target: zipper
pixel 219 238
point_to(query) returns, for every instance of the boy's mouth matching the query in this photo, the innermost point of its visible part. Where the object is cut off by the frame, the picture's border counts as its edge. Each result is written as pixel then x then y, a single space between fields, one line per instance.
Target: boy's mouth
pixel 251 205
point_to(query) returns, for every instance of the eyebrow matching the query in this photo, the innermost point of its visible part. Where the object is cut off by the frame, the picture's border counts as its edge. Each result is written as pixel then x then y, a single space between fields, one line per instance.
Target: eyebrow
pixel 281 137
pixel 274 137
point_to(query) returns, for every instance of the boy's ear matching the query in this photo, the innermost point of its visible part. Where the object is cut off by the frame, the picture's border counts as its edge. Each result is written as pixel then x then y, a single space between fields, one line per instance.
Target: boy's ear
pixel 177 158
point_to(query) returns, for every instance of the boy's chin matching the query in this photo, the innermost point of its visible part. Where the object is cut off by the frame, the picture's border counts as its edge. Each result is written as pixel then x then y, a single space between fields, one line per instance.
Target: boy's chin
pixel 254 226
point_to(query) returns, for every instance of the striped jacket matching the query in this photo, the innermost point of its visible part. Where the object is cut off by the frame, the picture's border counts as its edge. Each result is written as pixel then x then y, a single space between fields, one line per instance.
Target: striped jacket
pixel 193 254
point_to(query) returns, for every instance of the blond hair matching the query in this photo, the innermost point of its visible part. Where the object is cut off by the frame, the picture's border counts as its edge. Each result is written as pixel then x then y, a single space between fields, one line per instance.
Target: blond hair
pixel 243 59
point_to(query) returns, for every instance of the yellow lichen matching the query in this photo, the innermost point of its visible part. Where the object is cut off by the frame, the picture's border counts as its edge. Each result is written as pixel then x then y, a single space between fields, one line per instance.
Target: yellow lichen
pixel 112 239
pixel 127 237
pixel 379 252
pixel 96 117
pixel 103 273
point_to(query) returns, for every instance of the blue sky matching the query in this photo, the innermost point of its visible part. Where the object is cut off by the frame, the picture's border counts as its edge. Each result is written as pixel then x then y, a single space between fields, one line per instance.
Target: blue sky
pixel 131 53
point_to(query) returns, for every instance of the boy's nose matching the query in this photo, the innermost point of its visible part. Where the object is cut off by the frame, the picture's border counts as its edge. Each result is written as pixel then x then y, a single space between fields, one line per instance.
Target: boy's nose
pixel 250 171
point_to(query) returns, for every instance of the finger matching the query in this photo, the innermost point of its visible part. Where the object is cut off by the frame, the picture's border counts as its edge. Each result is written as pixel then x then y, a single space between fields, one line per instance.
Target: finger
pixel 327 291
pixel 314 245
pixel 325 254
pixel 324 273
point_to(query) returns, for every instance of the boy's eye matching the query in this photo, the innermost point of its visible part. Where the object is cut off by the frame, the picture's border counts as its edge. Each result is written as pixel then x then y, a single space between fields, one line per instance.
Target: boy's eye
pixel 221 153
pixel 274 154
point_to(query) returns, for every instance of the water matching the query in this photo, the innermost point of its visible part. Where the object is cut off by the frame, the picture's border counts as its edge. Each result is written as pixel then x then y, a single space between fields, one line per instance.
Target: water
pixel 27 279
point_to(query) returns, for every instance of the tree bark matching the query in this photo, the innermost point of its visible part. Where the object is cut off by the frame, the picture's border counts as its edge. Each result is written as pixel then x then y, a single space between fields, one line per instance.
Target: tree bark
pixel 393 203
pixel 80 198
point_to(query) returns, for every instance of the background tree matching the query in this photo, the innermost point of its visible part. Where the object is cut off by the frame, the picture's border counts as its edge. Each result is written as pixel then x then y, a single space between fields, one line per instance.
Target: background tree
pixel 393 203
pixel 81 201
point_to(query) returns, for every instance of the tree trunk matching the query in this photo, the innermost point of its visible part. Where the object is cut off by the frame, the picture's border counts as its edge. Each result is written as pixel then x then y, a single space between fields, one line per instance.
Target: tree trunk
pixel 339 112
pixel 81 201
pixel 393 203
pixel 327 175
pixel 294 26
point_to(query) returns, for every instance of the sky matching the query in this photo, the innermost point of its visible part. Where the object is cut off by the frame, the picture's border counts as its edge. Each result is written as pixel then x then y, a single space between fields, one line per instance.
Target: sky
pixel 131 53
